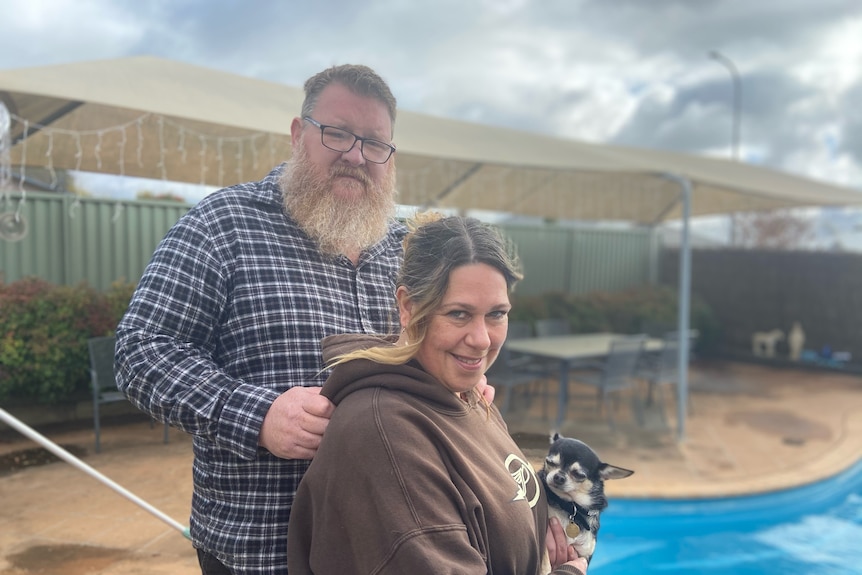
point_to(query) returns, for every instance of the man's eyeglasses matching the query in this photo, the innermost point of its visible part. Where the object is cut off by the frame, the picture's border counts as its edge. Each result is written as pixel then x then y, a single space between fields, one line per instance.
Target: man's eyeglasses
pixel 340 140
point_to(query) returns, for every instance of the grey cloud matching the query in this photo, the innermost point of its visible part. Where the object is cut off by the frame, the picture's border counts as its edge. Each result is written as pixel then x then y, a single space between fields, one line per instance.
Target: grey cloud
pixel 504 62
pixel 699 117
pixel 852 123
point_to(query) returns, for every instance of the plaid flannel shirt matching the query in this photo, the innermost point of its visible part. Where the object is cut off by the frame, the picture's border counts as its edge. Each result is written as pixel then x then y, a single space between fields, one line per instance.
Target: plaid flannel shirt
pixel 228 315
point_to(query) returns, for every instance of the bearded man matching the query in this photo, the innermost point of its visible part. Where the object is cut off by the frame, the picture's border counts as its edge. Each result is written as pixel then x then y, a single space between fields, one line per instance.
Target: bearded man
pixel 222 336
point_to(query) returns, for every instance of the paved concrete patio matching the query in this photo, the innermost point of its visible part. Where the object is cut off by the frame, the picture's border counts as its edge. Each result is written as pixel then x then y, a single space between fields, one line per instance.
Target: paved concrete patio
pixel 752 428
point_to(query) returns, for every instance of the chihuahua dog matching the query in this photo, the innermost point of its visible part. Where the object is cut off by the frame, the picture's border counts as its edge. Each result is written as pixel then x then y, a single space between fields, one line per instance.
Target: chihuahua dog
pixel 574 479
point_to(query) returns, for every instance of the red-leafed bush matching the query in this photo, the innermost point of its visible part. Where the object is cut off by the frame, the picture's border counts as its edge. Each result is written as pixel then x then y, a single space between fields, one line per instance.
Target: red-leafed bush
pixel 43 336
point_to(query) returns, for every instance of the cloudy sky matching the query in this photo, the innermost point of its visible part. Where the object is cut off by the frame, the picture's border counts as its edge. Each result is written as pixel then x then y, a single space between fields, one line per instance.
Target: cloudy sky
pixel 631 72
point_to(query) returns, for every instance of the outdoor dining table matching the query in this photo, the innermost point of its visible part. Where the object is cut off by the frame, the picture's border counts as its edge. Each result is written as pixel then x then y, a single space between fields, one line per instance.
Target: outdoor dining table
pixel 569 351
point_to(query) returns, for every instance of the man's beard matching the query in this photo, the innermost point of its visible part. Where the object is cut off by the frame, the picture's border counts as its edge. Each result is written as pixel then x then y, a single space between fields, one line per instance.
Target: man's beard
pixel 338 225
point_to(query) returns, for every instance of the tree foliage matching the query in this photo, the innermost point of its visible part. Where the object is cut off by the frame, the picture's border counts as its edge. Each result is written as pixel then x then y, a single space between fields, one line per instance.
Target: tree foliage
pixel 775 230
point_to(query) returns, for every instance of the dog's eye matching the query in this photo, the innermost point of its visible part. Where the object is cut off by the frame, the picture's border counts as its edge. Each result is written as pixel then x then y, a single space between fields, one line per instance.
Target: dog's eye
pixel 577 475
pixel 550 462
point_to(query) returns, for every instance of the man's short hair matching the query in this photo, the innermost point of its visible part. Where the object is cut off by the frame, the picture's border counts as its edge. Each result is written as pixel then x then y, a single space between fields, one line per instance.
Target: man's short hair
pixel 360 80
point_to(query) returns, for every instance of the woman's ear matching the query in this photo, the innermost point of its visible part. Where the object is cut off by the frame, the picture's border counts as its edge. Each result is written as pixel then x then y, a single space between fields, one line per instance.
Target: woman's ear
pixel 405 305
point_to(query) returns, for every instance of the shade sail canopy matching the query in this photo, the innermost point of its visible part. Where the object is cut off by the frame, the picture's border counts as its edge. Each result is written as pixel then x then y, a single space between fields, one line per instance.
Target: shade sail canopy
pixel 162 119
pixel 155 118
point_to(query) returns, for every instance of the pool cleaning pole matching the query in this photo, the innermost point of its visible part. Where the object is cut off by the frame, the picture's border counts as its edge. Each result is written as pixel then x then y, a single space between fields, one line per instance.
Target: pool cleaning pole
pixel 65 455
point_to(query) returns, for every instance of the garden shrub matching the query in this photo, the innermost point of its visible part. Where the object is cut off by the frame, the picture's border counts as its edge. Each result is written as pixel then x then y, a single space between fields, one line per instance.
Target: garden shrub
pixel 648 309
pixel 44 328
pixel 43 337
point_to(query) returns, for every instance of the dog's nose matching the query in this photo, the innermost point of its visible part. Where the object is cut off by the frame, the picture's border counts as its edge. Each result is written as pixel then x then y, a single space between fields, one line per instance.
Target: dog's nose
pixel 559 479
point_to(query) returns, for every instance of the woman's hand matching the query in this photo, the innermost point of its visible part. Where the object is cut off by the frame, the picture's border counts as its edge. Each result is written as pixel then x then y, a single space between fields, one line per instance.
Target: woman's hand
pixel 559 550
pixel 485 390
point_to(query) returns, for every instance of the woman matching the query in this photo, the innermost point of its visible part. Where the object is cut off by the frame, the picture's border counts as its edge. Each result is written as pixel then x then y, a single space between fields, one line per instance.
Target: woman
pixel 416 473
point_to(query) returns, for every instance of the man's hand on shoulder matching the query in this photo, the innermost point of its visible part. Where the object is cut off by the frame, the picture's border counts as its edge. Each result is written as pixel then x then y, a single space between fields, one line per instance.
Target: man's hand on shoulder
pixel 295 422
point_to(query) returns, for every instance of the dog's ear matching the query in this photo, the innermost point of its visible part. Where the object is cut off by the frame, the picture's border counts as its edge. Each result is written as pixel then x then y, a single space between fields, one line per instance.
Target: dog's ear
pixel 607 471
pixel 555 436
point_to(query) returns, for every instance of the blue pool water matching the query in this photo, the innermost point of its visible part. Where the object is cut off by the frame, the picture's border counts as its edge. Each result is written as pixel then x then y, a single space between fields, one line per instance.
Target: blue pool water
pixel 814 529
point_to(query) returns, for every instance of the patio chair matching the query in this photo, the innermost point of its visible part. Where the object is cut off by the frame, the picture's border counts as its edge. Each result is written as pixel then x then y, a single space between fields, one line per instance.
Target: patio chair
pixel 552 326
pixel 103 381
pixel 519 330
pixel 522 330
pixel 527 364
pixel 616 374
pixel 512 371
pixel 662 370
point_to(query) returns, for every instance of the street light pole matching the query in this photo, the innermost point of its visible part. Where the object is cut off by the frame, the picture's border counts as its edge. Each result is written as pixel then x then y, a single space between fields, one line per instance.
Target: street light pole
pixel 737 99
pixel 734 133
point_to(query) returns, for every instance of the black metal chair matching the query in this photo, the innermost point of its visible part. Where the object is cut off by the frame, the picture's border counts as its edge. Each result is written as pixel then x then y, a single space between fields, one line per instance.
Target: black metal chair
pixel 616 374
pixel 522 330
pixel 661 369
pixel 526 363
pixel 552 326
pixel 519 330
pixel 103 381
pixel 520 371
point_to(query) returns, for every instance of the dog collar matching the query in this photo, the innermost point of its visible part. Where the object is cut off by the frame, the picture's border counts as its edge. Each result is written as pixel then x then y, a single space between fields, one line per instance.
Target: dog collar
pixel 573 529
pixel 572 510
pixel 575 510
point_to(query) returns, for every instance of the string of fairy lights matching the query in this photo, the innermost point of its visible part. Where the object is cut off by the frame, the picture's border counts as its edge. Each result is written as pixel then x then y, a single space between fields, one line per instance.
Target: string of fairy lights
pixel 93 146
pixel 13 226
pixel 158 145
pixel 131 133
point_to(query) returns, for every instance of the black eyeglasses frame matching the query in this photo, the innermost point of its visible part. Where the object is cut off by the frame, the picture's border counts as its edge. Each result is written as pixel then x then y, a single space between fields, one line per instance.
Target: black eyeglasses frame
pixel 356 138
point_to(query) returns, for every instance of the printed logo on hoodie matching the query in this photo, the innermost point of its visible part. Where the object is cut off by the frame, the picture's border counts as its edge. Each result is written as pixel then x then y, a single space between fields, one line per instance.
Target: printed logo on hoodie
pixel 527 484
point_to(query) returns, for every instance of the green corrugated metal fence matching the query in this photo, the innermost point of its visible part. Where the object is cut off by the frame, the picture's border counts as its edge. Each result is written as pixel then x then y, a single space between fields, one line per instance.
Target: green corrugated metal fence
pixel 71 239
pixel 581 260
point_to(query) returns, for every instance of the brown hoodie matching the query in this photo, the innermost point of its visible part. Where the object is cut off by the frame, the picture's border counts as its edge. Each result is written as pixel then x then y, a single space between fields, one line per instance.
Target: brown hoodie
pixel 411 479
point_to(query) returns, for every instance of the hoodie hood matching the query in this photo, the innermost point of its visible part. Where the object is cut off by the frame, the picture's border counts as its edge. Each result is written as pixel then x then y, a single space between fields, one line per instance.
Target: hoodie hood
pixel 360 374
pixel 333 346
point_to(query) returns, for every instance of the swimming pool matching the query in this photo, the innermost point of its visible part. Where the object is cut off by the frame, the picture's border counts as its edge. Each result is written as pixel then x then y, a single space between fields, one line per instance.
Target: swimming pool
pixel 816 529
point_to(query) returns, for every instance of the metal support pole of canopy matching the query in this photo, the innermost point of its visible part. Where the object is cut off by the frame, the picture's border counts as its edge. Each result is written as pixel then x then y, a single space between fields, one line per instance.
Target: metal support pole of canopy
pixel 683 319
